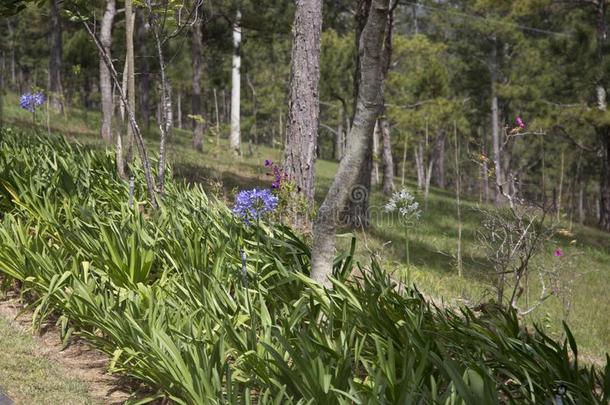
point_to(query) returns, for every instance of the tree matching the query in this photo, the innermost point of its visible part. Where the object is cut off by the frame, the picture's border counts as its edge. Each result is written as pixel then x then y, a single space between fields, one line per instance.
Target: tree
pixel 130 77
pixel 235 138
pixel 304 112
pixel 55 87
pixel 196 52
pixel 368 107
pixel 105 79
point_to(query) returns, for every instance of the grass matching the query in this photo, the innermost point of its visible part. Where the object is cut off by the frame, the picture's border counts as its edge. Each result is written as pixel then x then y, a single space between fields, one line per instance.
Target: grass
pixel 29 379
pixel 432 242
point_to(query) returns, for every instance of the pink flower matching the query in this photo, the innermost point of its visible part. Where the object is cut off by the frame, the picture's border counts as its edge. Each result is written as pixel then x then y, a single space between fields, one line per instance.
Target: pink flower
pixel 520 122
pixel 558 252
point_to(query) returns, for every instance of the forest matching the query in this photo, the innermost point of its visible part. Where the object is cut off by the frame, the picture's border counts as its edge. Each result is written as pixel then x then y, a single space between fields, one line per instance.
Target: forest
pixel 277 201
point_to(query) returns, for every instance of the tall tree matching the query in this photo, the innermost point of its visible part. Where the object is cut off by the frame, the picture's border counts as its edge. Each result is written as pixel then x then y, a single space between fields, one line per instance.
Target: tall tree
pixel 368 107
pixel 196 60
pixel 130 70
pixel 105 79
pixel 304 112
pixel 55 87
pixel 235 137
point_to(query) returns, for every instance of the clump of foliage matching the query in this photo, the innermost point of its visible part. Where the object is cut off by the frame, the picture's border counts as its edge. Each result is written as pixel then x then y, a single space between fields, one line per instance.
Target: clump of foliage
pixel 163 293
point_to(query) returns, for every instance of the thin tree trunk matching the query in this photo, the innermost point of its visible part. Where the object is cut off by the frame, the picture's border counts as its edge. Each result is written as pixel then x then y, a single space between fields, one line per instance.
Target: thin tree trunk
pixel 581 210
pixel 235 137
pixel 419 165
pixel 143 68
pixel 131 82
pixel 604 184
pixel 11 34
pixel 304 111
pixel 439 161
pixel 55 87
pixel 375 171
pixel 368 107
pixel 196 58
pixel 495 126
pixel 404 160
pixel 179 110
pixel 105 80
pixel 150 181
pixel 560 188
pixel 458 185
pixel 386 157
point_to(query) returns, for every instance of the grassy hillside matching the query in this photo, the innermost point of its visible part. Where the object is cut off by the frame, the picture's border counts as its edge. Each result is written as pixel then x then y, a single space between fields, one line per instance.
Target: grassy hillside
pixel 433 241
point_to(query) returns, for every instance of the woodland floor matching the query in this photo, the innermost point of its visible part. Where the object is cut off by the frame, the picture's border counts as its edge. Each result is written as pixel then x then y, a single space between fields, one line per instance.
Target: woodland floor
pixel 432 244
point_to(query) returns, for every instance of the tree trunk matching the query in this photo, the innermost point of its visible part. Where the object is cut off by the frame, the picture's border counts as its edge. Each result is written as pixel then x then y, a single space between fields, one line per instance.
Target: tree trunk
pixel 404 161
pixel 105 79
pixel 143 68
pixel 604 184
pixel 196 58
pixel 235 138
pixel 375 167
pixel 495 127
pixel 368 107
pixel 386 157
pixel 439 161
pixel 179 110
pixel 131 82
pixel 304 111
pixel 419 165
pixel 55 87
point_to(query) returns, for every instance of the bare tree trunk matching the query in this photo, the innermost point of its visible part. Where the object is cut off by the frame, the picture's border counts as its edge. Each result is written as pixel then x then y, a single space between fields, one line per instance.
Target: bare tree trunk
pixel 304 111
pixel 150 181
pixel 368 107
pixel 439 161
pixel 143 68
pixel 179 110
pixel 375 171
pixel 55 87
pixel 495 127
pixel 581 210
pixel 196 53
pixel 105 80
pixel 386 157
pixel 458 186
pixel 404 161
pixel 131 81
pixel 419 165
pixel 604 184
pixel 235 138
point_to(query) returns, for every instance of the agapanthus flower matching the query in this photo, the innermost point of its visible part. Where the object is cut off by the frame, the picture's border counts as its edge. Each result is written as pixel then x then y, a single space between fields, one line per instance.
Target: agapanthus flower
pixel 252 205
pixel 520 122
pixel 558 252
pixel 279 175
pixel 404 203
pixel 31 101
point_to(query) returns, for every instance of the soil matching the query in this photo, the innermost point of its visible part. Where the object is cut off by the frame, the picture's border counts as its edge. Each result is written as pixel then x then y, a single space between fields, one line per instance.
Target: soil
pixel 78 360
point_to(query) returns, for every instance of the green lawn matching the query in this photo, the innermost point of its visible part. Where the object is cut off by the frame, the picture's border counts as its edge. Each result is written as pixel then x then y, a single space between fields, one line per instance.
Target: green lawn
pixel 433 241
pixel 28 378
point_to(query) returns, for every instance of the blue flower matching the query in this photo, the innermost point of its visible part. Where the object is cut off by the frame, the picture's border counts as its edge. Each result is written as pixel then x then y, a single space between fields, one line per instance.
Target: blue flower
pixel 252 205
pixel 30 101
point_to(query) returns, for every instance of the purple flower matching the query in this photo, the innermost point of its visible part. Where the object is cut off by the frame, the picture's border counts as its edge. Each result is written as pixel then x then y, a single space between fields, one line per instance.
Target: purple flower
pixel 30 101
pixel 268 162
pixel 254 204
pixel 520 122
pixel 558 252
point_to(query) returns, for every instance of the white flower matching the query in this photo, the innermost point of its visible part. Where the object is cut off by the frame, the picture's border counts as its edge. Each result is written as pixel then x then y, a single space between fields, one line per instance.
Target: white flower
pixel 404 203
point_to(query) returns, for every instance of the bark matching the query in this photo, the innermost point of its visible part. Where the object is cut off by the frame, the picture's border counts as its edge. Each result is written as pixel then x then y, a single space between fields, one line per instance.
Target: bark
pixel 55 87
pixel 495 127
pixel 375 168
pixel 604 184
pixel 304 108
pixel 235 137
pixel 196 58
pixel 139 140
pixel 130 68
pixel 143 68
pixel 419 165
pixel 105 80
pixel 368 107
pixel 179 110
pixel 386 157
pixel 404 161
pixel 439 161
